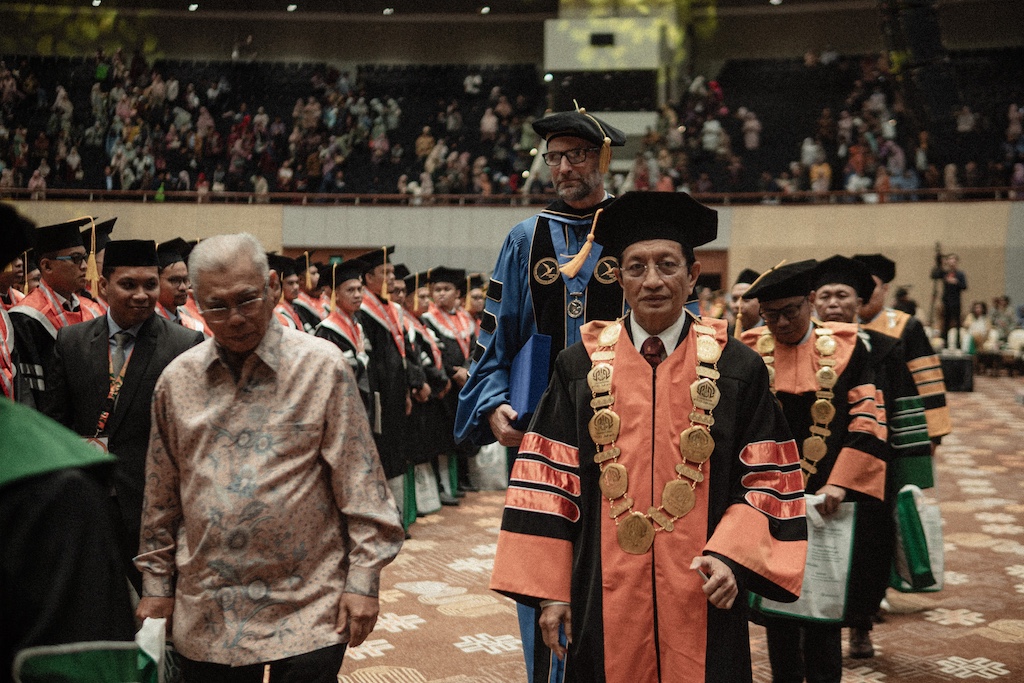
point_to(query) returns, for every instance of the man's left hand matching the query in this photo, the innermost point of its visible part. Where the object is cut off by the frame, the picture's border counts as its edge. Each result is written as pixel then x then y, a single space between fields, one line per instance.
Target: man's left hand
pixel 357 614
pixel 720 587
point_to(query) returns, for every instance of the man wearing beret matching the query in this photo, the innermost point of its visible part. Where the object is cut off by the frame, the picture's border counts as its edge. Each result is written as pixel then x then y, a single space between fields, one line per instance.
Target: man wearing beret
pixel 822 376
pixel 657 482
pixel 529 294
pixel 106 370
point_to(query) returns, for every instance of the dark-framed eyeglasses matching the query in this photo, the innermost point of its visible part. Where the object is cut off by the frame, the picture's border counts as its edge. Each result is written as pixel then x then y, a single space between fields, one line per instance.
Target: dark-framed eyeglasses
pixel 665 269
pixel 575 156
pixel 77 259
pixel 788 312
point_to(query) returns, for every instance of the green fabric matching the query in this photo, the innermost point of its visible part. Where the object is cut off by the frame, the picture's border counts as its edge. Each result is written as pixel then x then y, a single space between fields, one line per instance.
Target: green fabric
pixel 409 494
pixel 33 444
pixel 917 471
pixel 453 472
pixel 915 545
pixel 99 662
pixel 908 427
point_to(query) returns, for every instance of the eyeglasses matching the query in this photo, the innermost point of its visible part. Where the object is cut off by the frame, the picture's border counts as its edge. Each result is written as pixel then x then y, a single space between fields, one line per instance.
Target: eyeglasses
pixel 221 314
pixel 789 313
pixel 178 281
pixel 664 268
pixel 575 156
pixel 77 259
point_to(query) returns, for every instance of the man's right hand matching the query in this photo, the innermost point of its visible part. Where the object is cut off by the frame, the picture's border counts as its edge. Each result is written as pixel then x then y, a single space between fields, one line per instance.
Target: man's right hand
pixel 500 420
pixel 157 608
pixel 551 617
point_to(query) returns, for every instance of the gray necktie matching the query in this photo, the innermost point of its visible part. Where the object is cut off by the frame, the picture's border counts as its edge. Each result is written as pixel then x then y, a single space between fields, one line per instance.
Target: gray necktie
pixel 121 340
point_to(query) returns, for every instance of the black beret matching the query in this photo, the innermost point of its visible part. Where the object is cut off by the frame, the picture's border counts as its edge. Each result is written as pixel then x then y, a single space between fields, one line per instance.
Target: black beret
pixel 844 271
pixel 782 282
pixel 878 265
pixel 638 216
pixel 747 276
pixel 578 124
pixel 454 276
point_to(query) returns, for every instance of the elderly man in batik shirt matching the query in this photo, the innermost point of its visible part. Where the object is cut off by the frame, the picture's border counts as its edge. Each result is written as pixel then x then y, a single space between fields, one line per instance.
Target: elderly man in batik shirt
pixel 267 518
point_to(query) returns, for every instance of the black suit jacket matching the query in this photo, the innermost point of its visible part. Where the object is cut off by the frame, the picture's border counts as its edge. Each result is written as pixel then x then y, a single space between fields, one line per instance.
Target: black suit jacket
pixel 80 387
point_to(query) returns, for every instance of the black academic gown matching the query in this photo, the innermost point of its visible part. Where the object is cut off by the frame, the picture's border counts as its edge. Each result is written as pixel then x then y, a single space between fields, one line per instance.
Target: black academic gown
pixel 80 384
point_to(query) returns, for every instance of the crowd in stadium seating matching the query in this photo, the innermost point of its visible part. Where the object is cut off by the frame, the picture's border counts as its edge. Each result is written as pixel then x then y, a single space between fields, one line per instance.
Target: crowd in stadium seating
pixel 119 123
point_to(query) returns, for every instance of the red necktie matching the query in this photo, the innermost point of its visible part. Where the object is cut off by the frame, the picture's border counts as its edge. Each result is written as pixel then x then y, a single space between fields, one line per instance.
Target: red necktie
pixel 652 350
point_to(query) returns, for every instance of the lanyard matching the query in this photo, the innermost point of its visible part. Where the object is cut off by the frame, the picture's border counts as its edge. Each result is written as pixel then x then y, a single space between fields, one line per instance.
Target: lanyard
pixel 115 389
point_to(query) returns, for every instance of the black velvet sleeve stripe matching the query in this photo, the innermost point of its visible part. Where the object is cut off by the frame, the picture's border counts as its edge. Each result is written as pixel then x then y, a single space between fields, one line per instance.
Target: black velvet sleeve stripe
pixel 488 323
pixel 494 290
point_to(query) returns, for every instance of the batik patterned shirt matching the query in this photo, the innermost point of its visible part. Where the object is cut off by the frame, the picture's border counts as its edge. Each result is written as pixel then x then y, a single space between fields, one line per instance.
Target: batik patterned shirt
pixel 265 500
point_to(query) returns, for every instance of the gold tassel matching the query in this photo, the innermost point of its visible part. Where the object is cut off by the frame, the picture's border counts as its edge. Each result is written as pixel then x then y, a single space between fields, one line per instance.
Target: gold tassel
pixel 309 278
pixel 738 330
pixel 24 271
pixel 573 267
pixel 416 293
pixel 384 283
pixel 334 287
pixel 92 274
pixel 465 294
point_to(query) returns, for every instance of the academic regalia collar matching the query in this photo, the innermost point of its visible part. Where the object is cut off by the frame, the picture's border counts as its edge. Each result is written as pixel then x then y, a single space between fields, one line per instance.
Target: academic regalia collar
pixel 560 209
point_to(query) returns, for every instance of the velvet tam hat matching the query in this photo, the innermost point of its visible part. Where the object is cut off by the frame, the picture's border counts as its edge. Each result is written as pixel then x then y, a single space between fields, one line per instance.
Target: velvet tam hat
pixel 878 265
pixel 639 216
pixel 845 271
pixel 747 276
pixel 783 281
pixel 578 124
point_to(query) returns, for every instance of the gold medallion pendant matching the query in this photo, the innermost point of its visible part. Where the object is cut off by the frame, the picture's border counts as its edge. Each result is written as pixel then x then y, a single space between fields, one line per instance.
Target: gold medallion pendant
pixel 825 344
pixel 604 426
pixel 614 481
pixel 696 444
pixel 609 335
pixel 678 498
pixel 823 411
pixel 826 376
pixel 636 533
pixel 705 394
pixel 708 350
pixel 766 344
pixel 814 448
pixel 599 379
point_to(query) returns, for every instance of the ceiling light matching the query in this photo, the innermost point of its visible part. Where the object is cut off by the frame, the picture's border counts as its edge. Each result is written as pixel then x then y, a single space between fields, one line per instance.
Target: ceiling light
pixel 96 3
pixel 548 78
pixel 292 8
pixel 389 10
pixel 774 2
pixel 485 10
pixel 193 7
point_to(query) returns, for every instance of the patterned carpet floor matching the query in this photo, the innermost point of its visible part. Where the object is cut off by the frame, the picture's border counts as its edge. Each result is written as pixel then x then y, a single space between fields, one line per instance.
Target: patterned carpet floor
pixel 440 624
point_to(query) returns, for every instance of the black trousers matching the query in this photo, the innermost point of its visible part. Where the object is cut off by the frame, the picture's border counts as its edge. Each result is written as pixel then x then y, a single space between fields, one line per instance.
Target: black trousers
pixel 805 650
pixel 319 666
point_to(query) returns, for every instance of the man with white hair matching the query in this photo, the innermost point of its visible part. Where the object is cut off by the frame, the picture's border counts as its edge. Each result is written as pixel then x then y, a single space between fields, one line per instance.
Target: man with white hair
pixel 267 518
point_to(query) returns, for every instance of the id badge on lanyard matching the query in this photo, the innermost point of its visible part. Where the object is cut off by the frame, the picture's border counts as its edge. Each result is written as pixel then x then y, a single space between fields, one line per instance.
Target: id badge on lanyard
pixel 100 443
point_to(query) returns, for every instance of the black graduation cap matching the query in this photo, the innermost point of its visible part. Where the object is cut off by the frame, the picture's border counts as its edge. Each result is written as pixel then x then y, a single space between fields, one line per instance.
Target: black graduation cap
pixel 783 281
pixel 401 271
pixel 878 265
pixel 747 276
pixel 187 250
pixel 578 124
pixel 455 276
pixel 845 271
pixel 638 216
pixel 352 269
pixel 103 230
pixel 170 252
pixel 15 234
pixel 416 280
pixel 284 266
pixel 377 257
pixel 51 238
pixel 130 254
pixel 476 280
